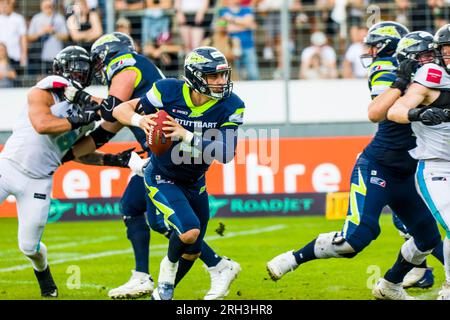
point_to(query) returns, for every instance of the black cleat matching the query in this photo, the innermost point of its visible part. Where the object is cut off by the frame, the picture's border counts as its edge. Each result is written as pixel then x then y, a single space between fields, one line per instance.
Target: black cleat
pixel 46 283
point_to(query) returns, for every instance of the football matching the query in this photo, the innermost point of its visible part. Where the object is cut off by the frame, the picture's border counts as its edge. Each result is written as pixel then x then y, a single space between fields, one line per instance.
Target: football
pixel 156 139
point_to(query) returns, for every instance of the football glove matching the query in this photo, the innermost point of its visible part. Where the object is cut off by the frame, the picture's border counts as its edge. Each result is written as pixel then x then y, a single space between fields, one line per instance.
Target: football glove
pixel 429 116
pixel 122 159
pixel 82 117
pixel 404 74
pixel 72 94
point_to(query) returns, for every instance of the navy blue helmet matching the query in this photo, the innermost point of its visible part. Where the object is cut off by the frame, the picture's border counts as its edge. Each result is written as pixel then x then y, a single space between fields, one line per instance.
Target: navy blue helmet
pixel 204 61
pixel 415 45
pixel 384 36
pixel 74 64
pixel 105 48
pixel 442 38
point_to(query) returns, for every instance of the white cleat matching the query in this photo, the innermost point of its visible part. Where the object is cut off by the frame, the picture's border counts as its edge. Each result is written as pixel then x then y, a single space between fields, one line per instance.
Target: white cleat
pixel 222 275
pixel 166 280
pixel 139 285
pixel 281 264
pixel 385 290
pixel 444 293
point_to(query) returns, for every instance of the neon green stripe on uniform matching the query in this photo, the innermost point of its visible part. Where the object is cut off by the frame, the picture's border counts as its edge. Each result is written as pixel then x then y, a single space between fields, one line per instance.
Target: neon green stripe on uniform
pixel 354 216
pixel 229 124
pixel 166 211
pixel 381 63
pixel 196 111
pixel 139 75
pixel 379 74
pixel 113 61
pixel 382 83
pixel 239 111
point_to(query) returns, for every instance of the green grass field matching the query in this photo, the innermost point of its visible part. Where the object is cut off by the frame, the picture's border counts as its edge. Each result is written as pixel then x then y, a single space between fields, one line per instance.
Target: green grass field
pixel 101 254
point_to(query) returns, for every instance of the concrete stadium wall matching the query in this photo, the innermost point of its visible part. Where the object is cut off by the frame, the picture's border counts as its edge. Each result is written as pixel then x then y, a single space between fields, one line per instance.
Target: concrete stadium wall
pixel 311 101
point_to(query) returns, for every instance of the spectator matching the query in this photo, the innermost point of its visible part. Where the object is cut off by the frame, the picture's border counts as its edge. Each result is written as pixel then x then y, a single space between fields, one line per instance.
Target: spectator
pixel 124 25
pixel 136 20
pixel 7 73
pixel 84 25
pixel 230 47
pixel 48 32
pixel 272 25
pixel 156 22
pixel 193 19
pixel 319 59
pixel 13 34
pixel 241 25
pixel 351 66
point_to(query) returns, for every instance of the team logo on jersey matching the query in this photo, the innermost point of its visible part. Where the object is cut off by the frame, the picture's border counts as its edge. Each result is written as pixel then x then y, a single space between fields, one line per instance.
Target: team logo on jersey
pixel 434 75
pixel 183 112
pixel 378 181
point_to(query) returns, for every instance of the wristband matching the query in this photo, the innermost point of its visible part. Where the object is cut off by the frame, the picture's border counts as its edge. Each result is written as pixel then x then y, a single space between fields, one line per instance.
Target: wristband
pixel 136 119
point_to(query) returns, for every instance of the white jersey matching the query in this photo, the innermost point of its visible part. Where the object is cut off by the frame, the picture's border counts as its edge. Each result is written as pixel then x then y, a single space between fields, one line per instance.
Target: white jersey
pixel 433 142
pixel 39 155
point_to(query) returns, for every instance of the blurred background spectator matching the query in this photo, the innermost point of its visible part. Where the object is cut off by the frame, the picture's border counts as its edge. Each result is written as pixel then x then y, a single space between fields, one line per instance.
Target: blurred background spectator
pixel 351 66
pixel 47 34
pixel 156 22
pixel 135 19
pixel 193 21
pixel 7 73
pixel 13 35
pixel 241 25
pixel 84 25
pixel 318 61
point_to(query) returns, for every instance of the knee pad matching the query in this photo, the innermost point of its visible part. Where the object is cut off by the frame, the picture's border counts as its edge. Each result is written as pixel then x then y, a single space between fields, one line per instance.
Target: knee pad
pixel 426 234
pixel 332 245
pixel 31 249
pixel 136 224
pixel 412 254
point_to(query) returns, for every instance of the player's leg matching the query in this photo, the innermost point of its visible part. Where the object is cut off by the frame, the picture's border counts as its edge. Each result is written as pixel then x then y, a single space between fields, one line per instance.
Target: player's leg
pixel 170 200
pixel 360 228
pixel 33 205
pixel 433 184
pixel 133 206
pixel 405 202
pixel 420 276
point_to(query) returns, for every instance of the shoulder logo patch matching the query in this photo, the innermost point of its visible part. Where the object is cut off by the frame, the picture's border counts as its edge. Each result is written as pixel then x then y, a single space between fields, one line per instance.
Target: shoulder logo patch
pixel 434 75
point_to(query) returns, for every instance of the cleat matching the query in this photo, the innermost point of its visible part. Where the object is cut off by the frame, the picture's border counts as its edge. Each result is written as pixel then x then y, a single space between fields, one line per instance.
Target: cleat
pixel 139 285
pixel 419 278
pixel 222 275
pixel 385 290
pixel 46 283
pixel 281 264
pixel 444 293
pixel 164 291
pixel 166 280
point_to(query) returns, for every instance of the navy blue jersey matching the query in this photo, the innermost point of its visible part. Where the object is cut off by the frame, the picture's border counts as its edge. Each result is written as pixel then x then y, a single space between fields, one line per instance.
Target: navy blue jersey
pixel 147 74
pixel 189 163
pixel 392 141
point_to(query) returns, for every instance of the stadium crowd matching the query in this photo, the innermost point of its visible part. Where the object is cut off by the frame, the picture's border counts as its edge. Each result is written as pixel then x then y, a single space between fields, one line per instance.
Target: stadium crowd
pixel 325 35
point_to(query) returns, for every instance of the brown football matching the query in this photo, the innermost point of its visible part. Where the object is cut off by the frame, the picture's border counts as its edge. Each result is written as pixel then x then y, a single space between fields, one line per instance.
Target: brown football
pixel 156 139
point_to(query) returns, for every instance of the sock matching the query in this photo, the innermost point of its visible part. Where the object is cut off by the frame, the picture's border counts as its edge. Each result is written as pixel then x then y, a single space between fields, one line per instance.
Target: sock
pixel 176 248
pixel 398 271
pixel 438 252
pixel 138 233
pixel 208 256
pixel 306 253
pixel 184 266
pixel 447 259
pixel 39 259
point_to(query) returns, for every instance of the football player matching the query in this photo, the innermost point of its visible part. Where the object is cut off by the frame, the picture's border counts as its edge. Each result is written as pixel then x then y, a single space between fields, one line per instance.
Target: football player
pixel 383 175
pixel 426 105
pixel 129 75
pixel 204 115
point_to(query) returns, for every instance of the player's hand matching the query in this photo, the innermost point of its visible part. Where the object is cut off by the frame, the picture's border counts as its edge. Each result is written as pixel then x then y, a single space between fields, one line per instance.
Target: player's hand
pixel 137 164
pixel 405 72
pixel 84 116
pixel 175 131
pixel 73 94
pixel 434 116
pixel 120 159
pixel 147 122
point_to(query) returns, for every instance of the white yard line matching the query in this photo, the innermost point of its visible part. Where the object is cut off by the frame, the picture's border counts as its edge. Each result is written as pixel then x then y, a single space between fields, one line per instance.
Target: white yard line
pixel 160 246
pixel 82 285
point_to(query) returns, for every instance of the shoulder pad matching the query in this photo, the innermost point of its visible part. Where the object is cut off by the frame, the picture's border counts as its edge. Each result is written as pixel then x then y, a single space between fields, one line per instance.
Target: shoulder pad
pixel 432 75
pixel 119 63
pixel 381 65
pixel 53 82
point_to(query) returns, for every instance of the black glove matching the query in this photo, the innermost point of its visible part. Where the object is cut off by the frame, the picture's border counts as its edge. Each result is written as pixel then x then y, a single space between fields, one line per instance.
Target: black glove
pixel 404 73
pixel 75 94
pixel 429 116
pixel 118 160
pixel 84 116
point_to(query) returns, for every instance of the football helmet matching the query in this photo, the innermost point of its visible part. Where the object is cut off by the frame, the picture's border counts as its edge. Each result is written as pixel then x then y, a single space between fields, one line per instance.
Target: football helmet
pixel 204 61
pixel 442 38
pixel 105 48
pixel 384 36
pixel 74 64
pixel 417 45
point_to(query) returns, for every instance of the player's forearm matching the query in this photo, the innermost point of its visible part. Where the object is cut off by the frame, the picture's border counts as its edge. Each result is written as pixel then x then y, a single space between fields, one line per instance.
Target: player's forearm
pixel 93 159
pixel 379 106
pixel 398 113
pixel 51 125
pixel 125 112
